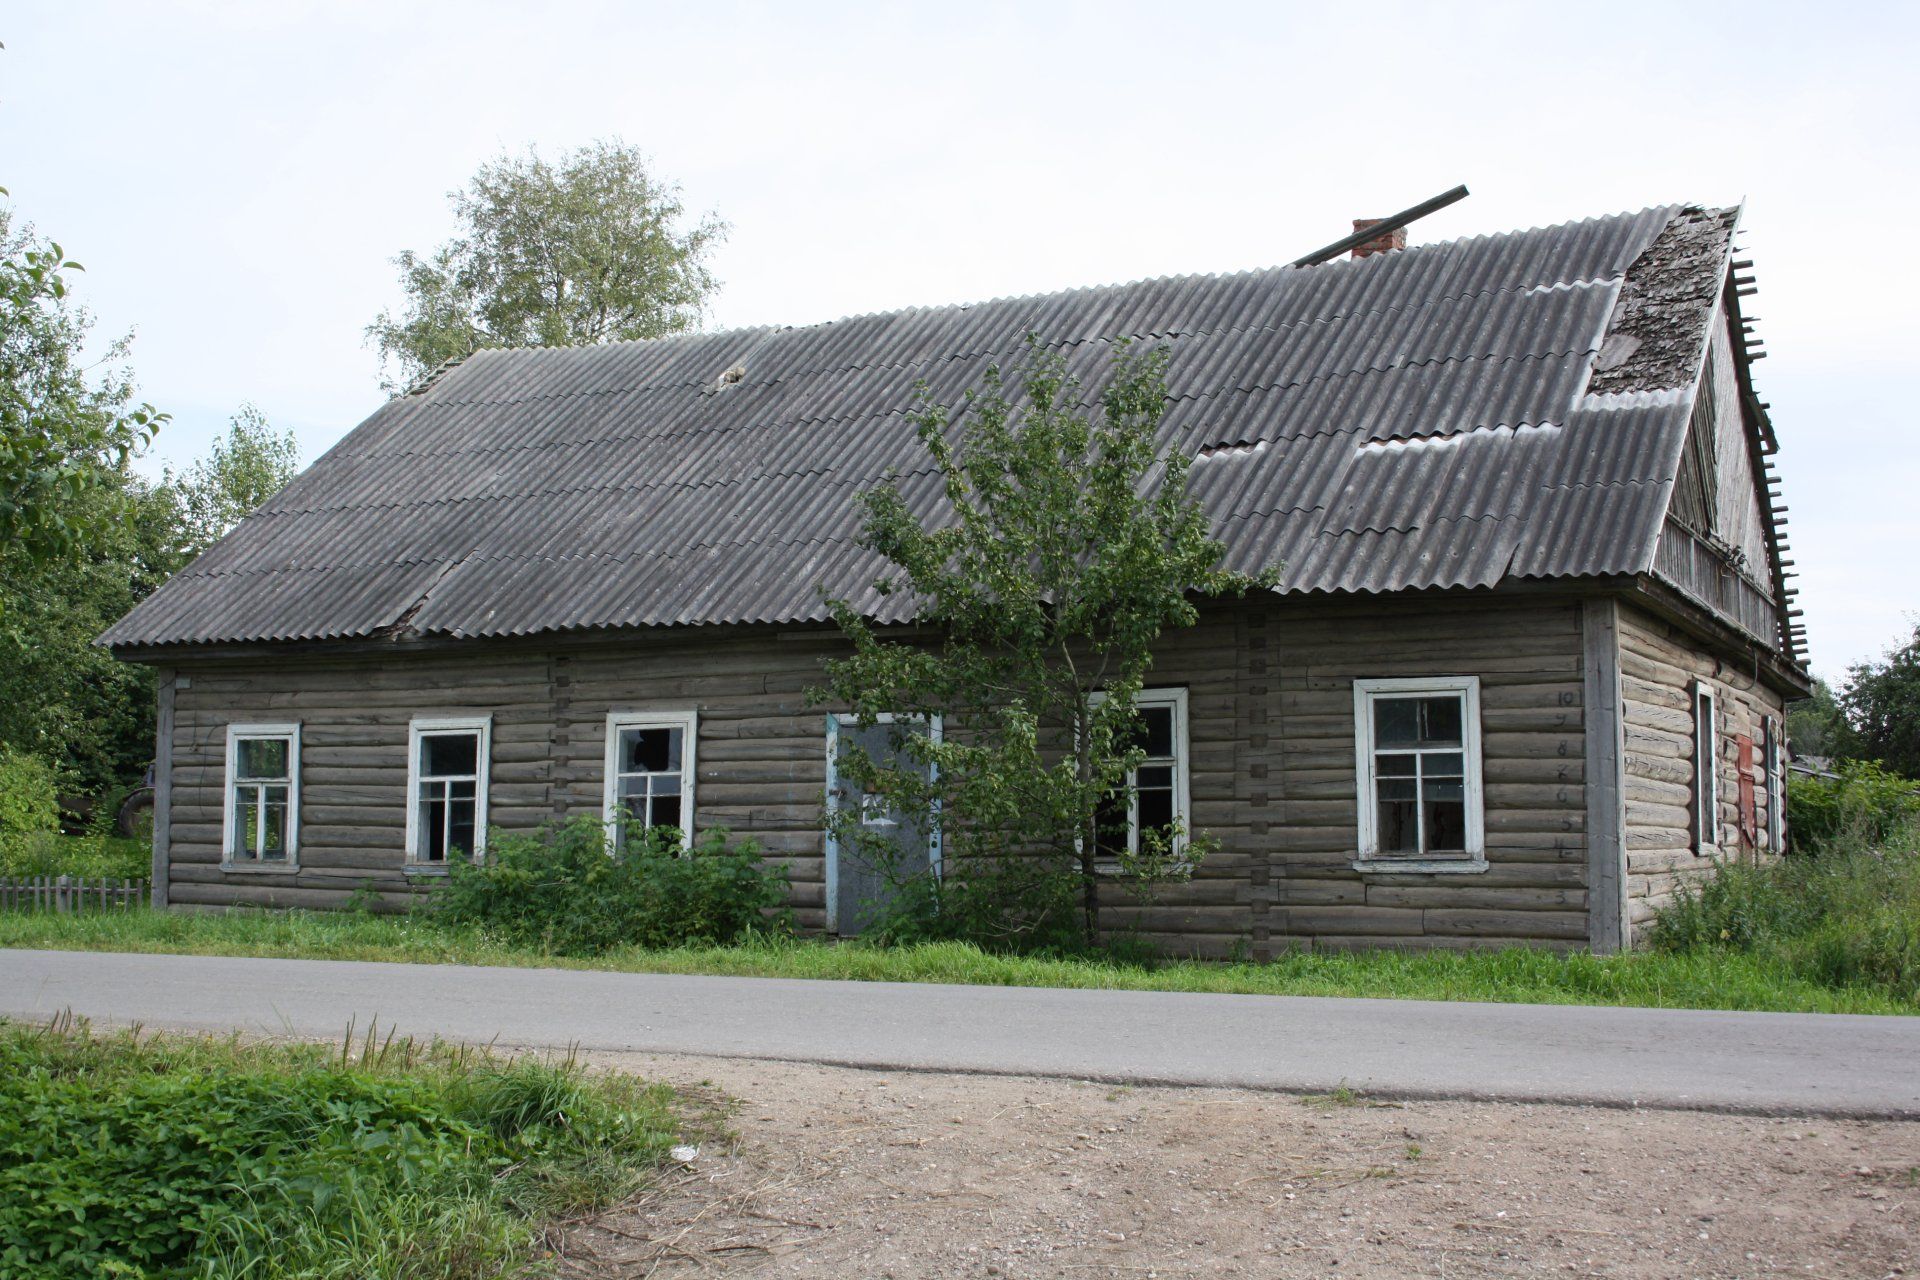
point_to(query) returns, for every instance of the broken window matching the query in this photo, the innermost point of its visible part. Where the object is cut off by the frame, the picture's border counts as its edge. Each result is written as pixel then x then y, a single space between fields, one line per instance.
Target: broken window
pixel 263 795
pixel 650 773
pixel 1706 773
pixel 1776 776
pixel 1155 801
pixel 448 785
pixel 1418 769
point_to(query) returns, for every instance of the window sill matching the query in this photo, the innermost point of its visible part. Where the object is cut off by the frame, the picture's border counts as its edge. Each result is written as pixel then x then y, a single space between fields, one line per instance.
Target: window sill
pixel 1420 866
pixel 413 867
pixel 260 868
pixel 1114 871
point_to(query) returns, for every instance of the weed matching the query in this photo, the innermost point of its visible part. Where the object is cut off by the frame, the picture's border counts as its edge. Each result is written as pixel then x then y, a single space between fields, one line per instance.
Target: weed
pixel 164 1157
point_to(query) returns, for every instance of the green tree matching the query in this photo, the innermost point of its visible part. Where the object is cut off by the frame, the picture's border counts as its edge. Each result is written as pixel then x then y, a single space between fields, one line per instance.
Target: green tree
pixel 67 428
pixel 1066 544
pixel 68 700
pixel 1817 727
pixel 1882 705
pixel 591 248
pixel 241 470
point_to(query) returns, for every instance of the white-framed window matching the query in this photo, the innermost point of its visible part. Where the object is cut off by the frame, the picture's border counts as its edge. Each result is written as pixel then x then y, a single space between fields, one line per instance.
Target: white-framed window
pixel 649 772
pixel 1417 766
pixel 1157 796
pixel 1775 764
pixel 1706 769
pixel 447 759
pixel 261 829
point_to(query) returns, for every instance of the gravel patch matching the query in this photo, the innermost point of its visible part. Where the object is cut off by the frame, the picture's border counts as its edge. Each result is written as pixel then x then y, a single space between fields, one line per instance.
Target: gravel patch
pixel 838 1172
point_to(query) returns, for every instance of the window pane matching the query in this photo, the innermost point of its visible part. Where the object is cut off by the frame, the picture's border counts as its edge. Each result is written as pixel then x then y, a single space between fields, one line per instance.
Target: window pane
pixel 1450 764
pixel 1156 810
pixel 631 812
pixel 1398 830
pixel 1112 841
pixel 273 847
pixel 634 789
pixel 1440 721
pixel 461 790
pixel 1156 731
pixel 666 811
pixel 1446 824
pixel 650 750
pixel 1154 775
pixel 442 754
pixel 244 829
pixel 1396 722
pixel 460 829
pixel 1395 788
pixel 666 784
pixel 433 831
pixel 1393 765
pixel 263 757
pixel 1451 789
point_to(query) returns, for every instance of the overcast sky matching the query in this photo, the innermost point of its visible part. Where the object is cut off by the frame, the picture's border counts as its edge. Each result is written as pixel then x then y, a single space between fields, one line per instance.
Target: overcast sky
pixel 236 178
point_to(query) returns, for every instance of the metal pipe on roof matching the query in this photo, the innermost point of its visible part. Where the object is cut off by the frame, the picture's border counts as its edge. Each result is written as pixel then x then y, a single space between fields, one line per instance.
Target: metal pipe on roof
pixel 1386 226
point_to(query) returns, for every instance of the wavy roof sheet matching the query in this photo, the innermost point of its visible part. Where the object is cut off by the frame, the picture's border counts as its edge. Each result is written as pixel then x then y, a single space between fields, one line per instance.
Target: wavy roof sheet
pixel 1408 420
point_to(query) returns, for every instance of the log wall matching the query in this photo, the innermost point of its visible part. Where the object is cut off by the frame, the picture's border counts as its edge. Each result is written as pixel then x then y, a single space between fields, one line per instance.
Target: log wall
pixel 1658 665
pixel 1272 763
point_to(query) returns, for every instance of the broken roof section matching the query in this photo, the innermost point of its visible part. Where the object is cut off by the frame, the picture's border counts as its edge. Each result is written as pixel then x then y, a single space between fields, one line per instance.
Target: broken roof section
pixel 1434 417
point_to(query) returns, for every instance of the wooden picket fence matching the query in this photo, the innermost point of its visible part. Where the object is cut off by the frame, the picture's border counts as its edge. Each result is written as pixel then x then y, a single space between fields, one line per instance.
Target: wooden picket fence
pixel 72 893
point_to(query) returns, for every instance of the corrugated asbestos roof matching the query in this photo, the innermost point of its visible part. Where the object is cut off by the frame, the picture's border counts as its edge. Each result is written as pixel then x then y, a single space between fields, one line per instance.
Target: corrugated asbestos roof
pixel 1413 419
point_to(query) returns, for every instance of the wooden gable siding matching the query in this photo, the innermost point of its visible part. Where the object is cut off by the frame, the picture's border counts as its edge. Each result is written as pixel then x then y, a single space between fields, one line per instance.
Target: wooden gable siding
pixel 1713 545
pixel 1270 705
pixel 1658 666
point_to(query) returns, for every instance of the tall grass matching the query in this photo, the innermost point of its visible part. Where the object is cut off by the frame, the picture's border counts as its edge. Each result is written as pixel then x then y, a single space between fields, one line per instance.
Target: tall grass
pixel 1845 917
pixel 163 1157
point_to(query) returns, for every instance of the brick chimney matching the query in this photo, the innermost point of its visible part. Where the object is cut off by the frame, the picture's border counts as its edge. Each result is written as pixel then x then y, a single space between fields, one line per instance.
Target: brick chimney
pixel 1386 243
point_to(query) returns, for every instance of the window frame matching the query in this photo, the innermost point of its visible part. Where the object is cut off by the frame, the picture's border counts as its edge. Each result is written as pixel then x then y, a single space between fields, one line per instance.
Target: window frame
pixel 1366 785
pixel 689 723
pixel 289 732
pixel 1705 836
pixel 439 726
pixel 1174 696
pixel 1775 768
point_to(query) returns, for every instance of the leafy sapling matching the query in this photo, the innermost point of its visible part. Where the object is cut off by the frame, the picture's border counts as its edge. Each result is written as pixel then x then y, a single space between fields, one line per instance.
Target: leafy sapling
pixel 1061 544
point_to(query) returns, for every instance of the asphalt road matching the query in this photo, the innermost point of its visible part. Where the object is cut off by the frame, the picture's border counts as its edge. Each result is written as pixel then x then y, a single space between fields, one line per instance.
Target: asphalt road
pixel 1831 1064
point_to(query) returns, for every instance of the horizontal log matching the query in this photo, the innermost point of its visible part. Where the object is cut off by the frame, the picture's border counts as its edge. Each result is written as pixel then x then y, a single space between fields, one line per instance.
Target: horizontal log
pixel 1352 920
pixel 1450 921
pixel 1439 943
pixel 1465 895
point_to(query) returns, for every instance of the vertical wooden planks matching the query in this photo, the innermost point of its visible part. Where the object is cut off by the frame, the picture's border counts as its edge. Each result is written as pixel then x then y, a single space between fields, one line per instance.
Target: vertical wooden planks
pixel 1606 803
pixel 162 786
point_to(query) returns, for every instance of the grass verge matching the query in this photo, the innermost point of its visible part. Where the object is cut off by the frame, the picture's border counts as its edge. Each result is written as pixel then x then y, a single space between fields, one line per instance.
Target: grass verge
pixel 159 1156
pixel 1699 978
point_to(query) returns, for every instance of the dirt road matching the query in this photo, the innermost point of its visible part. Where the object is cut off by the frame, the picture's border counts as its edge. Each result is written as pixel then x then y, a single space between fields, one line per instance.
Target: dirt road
pixel 848 1173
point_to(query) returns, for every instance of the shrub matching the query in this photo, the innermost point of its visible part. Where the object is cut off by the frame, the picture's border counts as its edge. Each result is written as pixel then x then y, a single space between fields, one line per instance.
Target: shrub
pixel 122 1155
pixel 88 857
pixel 1865 804
pixel 563 890
pixel 1847 918
pixel 29 798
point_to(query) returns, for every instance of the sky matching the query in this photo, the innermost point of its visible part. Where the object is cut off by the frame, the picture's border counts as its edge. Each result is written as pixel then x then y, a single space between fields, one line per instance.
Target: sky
pixel 236 178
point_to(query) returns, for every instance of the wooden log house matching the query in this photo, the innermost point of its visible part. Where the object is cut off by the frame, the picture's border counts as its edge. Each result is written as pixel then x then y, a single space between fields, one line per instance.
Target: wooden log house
pixel 1524 673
